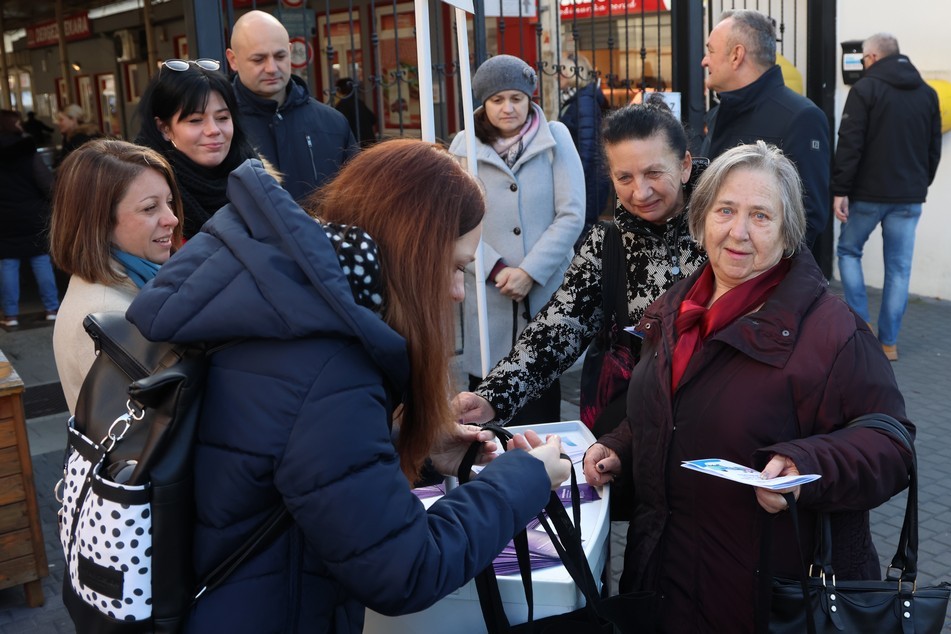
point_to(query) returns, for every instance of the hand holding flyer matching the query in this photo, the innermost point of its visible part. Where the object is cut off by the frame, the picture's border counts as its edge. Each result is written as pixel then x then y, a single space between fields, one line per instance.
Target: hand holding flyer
pixel 746 475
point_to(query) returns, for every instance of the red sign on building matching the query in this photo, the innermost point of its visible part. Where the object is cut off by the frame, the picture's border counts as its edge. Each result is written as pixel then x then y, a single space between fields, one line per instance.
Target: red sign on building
pixel 75 27
pixel 571 9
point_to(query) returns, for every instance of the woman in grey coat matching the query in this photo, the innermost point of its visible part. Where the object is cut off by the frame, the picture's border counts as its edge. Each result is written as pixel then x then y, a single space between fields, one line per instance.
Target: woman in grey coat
pixel 535 202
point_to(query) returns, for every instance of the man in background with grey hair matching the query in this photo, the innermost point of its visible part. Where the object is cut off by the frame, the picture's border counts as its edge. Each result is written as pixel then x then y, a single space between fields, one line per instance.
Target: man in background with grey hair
pixel 888 153
pixel 755 104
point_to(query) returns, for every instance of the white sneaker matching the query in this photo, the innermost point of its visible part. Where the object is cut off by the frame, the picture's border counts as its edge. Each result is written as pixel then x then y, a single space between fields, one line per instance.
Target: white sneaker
pixel 51 315
pixel 9 322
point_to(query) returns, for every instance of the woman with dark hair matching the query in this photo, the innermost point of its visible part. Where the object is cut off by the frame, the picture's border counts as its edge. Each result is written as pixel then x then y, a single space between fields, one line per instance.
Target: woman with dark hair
pixel 24 212
pixel 534 214
pixel 187 114
pixel 340 343
pixel 117 217
pixel 645 150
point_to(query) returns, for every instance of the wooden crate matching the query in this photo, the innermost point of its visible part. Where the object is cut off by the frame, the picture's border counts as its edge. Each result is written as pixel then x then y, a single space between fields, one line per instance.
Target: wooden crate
pixel 22 551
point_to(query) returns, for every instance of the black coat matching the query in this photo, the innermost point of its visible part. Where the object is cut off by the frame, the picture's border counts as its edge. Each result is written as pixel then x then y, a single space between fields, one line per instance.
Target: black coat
pixel 358 115
pixel 306 140
pixel 24 206
pixel 890 136
pixel 769 111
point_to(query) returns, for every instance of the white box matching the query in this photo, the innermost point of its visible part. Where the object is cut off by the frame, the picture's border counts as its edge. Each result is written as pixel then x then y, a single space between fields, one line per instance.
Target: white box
pixel 554 590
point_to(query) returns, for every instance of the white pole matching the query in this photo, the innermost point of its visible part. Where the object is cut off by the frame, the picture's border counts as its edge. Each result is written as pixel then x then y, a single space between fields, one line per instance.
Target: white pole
pixel 424 71
pixel 465 78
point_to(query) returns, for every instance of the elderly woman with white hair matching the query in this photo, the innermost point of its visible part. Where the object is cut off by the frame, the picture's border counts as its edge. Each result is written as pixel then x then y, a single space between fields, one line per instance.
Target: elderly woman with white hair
pixel 750 359
pixel 535 199
pixel 73 123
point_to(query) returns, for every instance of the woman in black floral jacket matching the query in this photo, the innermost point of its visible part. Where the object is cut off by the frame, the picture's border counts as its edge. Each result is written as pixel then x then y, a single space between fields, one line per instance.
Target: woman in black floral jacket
pixel 646 154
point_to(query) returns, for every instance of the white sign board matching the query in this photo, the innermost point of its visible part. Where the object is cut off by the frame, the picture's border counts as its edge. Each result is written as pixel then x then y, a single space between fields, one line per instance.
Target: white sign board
pixel 672 99
pixel 509 8
pixel 465 5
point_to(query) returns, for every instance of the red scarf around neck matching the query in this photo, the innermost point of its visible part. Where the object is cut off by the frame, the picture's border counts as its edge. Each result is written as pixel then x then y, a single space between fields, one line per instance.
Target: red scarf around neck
pixel 695 322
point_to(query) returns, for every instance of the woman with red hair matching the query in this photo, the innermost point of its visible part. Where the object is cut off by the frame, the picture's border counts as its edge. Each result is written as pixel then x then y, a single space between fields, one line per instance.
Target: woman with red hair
pixel 344 343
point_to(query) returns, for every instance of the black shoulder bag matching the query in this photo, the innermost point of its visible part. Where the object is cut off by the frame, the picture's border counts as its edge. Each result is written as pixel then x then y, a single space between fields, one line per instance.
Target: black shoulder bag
pixel 127 513
pixel 608 362
pixel 610 356
pixel 820 603
pixel 627 613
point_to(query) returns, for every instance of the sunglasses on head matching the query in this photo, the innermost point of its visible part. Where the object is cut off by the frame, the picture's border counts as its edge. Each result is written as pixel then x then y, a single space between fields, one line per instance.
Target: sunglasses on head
pixel 183 64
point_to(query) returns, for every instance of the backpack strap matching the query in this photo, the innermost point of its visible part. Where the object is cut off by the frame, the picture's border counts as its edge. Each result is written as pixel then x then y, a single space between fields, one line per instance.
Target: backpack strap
pixel 277 522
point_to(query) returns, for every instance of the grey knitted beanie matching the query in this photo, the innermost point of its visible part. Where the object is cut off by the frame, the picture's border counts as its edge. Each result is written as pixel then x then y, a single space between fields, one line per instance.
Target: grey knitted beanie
pixel 503 72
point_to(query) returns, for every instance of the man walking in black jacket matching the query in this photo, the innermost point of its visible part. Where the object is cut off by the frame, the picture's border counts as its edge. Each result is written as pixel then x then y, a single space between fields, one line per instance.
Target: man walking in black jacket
pixel 887 156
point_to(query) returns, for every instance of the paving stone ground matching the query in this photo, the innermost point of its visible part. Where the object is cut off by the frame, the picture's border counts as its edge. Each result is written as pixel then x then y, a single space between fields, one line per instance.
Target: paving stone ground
pixel 923 373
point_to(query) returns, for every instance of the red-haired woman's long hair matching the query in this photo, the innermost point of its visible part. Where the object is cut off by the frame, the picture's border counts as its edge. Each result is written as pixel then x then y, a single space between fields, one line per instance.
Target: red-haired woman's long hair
pixel 415 201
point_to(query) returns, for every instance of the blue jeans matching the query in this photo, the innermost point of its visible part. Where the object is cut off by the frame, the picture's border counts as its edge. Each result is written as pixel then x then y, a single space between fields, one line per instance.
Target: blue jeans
pixel 898 221
pixel 10 276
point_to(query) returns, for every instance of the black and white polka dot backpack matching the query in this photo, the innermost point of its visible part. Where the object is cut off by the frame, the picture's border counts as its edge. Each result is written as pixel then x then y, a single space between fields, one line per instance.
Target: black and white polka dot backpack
pixel 127 511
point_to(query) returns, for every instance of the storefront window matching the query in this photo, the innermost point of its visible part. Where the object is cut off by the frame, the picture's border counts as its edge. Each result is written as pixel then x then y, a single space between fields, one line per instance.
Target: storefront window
pixel 632 51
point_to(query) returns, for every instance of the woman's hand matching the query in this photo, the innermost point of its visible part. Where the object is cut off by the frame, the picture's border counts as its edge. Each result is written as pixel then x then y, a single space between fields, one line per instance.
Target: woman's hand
pixel 514 283
pixel 450 449
pixel 601 465
pixel 472 408
pixel 773 501
pixel 549 452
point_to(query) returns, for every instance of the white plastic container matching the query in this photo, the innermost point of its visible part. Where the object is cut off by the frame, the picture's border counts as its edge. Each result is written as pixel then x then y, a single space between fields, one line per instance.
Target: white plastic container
pixel 554 590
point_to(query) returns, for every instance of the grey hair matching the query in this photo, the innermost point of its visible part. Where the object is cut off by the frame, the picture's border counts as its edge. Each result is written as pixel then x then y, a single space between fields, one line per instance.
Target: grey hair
pixel 576 66
pixel 882 44
pixel 756 32
pixel 754 156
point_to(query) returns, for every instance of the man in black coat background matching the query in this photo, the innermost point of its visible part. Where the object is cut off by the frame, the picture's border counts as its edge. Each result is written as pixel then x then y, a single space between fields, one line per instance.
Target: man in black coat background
pixel 887 156
pixel 361 119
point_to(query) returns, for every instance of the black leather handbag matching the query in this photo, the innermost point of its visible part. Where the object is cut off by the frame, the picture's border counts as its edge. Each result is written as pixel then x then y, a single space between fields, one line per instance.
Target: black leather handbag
pixel 819 603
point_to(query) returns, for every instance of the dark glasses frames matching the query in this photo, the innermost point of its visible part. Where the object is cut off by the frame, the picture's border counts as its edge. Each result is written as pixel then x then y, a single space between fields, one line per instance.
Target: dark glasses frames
pixel 183 64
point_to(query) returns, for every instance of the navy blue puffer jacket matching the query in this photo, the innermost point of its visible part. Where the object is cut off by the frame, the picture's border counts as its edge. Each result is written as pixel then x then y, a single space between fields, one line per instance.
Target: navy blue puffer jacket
pixel 299 413
pixel 308 141
pixel 581 114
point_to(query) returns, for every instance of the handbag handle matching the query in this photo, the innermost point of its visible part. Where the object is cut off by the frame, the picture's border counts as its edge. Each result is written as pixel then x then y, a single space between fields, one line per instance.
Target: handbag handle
pixel 487 585
pixel 565 537
pixel 904 566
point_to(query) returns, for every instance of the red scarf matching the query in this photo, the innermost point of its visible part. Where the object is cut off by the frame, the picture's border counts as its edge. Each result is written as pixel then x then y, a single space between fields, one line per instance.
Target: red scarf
pixel 695 322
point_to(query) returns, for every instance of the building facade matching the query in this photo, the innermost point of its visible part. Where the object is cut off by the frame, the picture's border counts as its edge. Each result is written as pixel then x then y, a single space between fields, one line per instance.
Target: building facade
pixel 632 46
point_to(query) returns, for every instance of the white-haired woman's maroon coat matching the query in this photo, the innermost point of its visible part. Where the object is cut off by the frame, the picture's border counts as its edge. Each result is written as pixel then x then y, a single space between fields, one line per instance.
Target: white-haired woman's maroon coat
pixel 783 380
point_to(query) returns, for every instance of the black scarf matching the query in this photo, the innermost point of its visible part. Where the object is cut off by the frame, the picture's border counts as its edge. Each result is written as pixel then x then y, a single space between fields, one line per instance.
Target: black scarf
pixel 203 189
